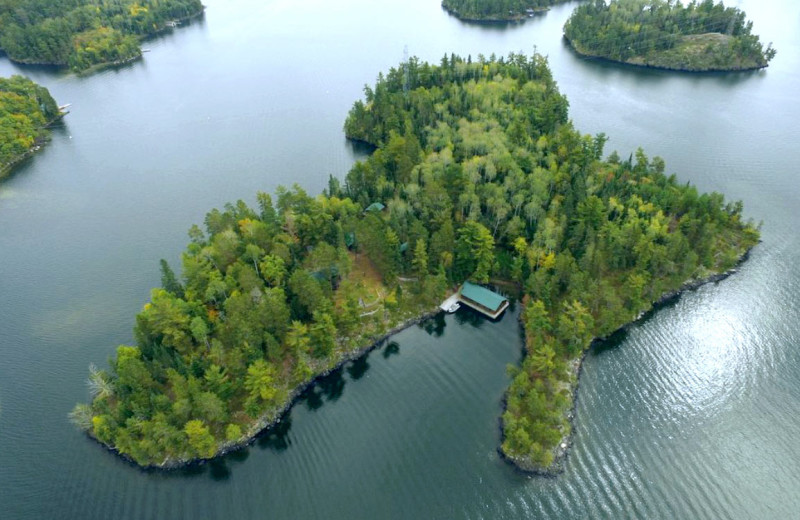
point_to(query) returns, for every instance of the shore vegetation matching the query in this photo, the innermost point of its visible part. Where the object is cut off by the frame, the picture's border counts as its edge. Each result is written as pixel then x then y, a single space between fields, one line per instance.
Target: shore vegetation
pixel 82 34
pixel 698 36
pixel 25 111
pixel 497 10
pixel 480 176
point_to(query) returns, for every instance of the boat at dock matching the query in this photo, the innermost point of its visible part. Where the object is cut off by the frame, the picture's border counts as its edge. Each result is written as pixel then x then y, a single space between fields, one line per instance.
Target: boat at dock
pixel 451 304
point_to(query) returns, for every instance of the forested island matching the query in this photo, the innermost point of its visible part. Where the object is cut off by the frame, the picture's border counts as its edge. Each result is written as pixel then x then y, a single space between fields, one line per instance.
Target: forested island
pixel 84 34
pixel 477 175
pixel 25 111
pixel 496 10
pixel 700 36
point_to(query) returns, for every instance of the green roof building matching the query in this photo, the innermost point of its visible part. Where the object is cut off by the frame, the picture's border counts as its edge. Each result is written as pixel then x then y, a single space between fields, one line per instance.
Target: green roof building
pixel 483 300
pixel 375 206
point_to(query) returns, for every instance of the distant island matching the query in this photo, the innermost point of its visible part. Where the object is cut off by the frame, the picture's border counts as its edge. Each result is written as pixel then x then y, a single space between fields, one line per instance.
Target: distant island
pixel 701 36
pixel 26 109
pixel 497 10
pixel 477 175
pixel 83 34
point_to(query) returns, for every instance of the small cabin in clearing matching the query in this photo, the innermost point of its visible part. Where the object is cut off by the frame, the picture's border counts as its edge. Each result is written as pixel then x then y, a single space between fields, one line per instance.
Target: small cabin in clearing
pixel 483 300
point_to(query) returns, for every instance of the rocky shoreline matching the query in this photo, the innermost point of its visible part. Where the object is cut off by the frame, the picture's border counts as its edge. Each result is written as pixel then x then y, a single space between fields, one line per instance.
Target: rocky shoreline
pixel 562 450
pixel 517 18
pixel 140 55
pixel 7 168
pixel 273 418
pixel 109 64
pixel 643 65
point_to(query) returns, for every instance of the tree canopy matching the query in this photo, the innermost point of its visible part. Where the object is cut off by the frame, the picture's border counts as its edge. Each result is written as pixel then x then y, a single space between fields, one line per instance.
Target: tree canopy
pixel 496 10
pixel 481 177
pixel 25 109
pixel 592 242
pixel 84 33
pixel 666 34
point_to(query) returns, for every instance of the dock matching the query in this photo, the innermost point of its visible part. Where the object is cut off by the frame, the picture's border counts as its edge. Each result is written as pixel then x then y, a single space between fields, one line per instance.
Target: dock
pixel 450 304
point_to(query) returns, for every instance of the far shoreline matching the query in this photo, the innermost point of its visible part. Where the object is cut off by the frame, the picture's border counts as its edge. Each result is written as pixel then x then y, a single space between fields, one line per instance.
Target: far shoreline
pixel 97 67
pixel 517 18
pixel 8 169
pixel 596 57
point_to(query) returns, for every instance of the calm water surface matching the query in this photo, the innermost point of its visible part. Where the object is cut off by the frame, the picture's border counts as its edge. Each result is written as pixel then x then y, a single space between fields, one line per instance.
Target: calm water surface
pixel 695 413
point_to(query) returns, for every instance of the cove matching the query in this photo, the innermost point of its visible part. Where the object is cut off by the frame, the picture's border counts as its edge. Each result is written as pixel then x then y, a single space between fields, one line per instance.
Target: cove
pixel 690 413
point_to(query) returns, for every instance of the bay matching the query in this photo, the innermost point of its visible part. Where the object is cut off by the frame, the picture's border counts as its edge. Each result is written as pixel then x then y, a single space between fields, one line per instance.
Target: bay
pixel 691 414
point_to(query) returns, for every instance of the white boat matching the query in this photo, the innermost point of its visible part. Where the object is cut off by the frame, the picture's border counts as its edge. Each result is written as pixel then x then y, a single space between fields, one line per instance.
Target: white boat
pixel 450 304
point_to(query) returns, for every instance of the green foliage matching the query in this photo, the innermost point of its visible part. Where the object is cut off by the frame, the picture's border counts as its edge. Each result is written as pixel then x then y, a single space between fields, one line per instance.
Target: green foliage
pixel 474 252
pixel 420 261
pixel 102 45
pixel 662 33
pixel 168 280
pixel 504 175
pixel 271 298
pixel 233 433
pixel 496 9
pixel 200 439
pixel 25 109
pixel 260 384
pixel 322 335
pixel 263 304
pixel 84 33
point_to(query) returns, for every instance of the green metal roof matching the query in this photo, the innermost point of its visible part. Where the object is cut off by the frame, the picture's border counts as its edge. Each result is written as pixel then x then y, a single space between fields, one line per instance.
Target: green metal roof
pixel 375 206
pixel 482 295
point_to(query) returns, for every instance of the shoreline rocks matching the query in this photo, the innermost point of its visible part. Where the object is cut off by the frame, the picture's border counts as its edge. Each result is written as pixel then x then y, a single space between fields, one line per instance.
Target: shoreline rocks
pixel 558 465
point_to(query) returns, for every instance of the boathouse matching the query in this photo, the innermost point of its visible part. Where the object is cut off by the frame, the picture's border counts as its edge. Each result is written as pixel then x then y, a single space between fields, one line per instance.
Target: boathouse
pixel 482 300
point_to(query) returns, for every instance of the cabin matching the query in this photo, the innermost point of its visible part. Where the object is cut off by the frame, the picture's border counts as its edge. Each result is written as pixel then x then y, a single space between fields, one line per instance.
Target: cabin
pixel 375 207
pixel 483 300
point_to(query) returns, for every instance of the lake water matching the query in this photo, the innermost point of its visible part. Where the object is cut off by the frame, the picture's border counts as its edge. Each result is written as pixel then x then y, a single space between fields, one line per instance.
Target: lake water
pixel 694 413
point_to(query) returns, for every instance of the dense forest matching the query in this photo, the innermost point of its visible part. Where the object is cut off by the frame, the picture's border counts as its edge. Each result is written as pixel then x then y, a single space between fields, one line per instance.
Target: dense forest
pixel 269 298
pixel 700 36
pixel 25 110
pixel 481 177
pixel 84 33
pixel 496 10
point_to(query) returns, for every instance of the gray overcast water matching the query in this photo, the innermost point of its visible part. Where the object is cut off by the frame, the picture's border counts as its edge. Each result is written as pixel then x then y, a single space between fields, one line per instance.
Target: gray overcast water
pixel 694 413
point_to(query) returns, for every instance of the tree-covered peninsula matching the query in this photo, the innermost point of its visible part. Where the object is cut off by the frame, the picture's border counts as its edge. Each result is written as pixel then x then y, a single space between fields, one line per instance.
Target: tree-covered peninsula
pixel 82 34
pixel 496 10
pixel 700 36
pixel 479 176
pixel 25 111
